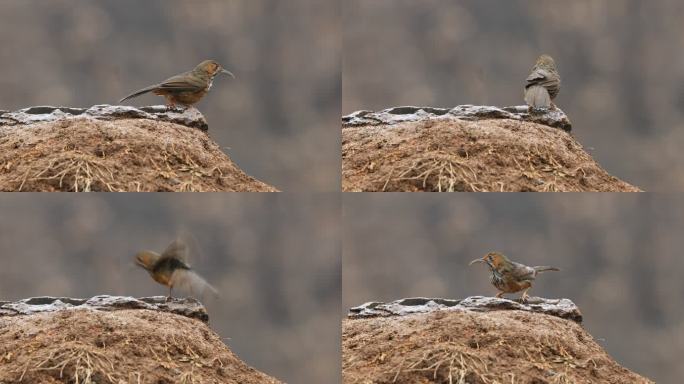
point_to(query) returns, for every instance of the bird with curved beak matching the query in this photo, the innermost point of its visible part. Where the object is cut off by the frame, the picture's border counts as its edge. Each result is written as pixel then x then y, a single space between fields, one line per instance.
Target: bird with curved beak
pixel 171 269
pixel 187 88
pixel 508 276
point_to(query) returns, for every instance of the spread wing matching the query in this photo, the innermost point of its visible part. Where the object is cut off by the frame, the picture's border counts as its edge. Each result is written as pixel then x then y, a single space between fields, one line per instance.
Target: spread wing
pixel 178 249
pixel 190 282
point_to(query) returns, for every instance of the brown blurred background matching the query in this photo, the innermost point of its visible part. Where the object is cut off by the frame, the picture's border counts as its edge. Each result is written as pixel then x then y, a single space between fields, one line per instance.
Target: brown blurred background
pixel 275 261
pixel 279 120
pixel 621 62
pixel 620 255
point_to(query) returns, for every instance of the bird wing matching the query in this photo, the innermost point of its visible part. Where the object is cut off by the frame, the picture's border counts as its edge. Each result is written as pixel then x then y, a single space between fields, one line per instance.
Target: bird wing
pixel 523 272
pixel 540 76
pixel 181 83
pixel 178 249
pixel 537 76
pixel 190 282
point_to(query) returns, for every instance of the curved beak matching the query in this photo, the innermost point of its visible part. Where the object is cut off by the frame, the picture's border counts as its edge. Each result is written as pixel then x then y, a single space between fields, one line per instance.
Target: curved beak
pixel 227 72
pixel 476 261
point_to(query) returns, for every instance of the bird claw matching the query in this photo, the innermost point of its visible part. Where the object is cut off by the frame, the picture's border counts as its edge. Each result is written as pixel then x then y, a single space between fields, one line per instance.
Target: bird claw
pixel 175 109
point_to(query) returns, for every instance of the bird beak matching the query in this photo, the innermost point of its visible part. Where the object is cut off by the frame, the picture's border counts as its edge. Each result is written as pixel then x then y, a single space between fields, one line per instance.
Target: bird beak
pixel 476 261
pixel 227 73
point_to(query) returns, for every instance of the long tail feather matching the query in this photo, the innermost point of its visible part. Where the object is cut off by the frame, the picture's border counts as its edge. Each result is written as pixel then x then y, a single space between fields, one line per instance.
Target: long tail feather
pixel 542 268
pixel 190 282
pixel 139 92
pixel 536 96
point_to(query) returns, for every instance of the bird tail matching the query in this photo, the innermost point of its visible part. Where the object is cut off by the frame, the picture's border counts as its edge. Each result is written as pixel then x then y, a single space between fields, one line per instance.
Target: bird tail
pixel 139 92
pixel 536 96
pixel 541 268
pixel 190 282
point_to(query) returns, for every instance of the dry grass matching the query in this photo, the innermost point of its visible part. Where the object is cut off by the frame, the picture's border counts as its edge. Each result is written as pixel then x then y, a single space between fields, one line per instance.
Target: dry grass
pixel 461 156
pixel 127 346
pixel 500 347
pixel 82 155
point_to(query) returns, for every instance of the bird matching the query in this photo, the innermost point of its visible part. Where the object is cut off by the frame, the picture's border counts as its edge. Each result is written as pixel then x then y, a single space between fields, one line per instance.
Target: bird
pixel 187 88
pixel 543 83
pixel 172 269
pixel 509 276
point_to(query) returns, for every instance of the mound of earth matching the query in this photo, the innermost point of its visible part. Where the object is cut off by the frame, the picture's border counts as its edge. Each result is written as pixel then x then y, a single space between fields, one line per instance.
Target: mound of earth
pixel 476 340
pixel 115 148
pixel 467 149
pixel 115 340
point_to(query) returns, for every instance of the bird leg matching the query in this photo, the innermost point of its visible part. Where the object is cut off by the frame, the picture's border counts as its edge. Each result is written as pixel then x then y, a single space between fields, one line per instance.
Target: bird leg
pixel 170 104
pixel 525 296
pixel 168 298
pixel 500 295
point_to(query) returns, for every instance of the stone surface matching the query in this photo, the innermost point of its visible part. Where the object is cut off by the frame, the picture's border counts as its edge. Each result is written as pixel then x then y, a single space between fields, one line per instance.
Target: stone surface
pixel 190 117
pixel 563 308
pixel 552 117
pixel 187 307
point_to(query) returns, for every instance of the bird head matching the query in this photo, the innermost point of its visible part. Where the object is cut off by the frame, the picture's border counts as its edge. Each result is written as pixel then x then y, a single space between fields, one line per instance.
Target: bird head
pixel 492 259
pixel 212 68
pixel 546 61
pixel 146 259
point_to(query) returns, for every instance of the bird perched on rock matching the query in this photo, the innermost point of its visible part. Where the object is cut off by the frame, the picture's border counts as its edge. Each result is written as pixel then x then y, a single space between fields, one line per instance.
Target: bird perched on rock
pixel 509 276
pixel 187 88
pixel 171 269
pixel 543 84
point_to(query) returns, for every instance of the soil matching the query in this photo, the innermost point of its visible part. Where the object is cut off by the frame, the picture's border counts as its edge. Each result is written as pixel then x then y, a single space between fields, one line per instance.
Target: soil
pixel 124 346
pixel 471 348
pixel 82 154
pixel 469 156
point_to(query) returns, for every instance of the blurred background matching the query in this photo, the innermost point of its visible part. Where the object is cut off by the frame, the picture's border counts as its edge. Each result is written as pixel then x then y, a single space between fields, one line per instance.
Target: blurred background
pixel 620 256
pixel 275 261
pixel 278 120
pixel 621 63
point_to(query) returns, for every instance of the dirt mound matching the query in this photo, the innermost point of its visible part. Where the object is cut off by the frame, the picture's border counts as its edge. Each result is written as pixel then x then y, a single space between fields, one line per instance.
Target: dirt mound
pixel 114 148
pixel 84 344
pixel 467 149
pixel 486 343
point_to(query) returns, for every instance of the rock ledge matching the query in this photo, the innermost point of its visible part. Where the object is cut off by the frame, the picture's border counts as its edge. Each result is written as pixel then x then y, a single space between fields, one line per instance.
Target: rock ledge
pixel 552 117
pixel 563 308
pixel 187 307
pixel 190 117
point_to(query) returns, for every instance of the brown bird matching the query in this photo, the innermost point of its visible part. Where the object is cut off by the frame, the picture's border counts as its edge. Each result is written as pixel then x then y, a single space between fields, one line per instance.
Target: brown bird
pixel 543 84
pixel 187 88
pixel 171 269
pixel 509 276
